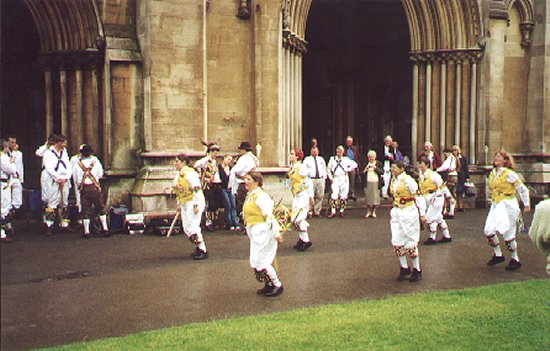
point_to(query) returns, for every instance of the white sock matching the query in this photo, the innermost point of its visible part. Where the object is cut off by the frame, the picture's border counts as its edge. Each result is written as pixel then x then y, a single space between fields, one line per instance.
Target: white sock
pixel 273 275
pixel 513 245
pixel 86 223
pixel 416 262
pixel 103 219
pixel 304 236
pixel 497 250
pixel 2 233
pixel 403 261
pixel 202 246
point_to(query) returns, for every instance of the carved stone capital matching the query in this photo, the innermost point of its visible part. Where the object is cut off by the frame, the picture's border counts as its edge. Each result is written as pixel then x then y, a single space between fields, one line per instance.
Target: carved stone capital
pixel 526 29
pixel 294 43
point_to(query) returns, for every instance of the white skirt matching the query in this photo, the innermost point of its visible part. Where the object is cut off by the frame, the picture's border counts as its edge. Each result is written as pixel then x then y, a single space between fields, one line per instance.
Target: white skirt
pixel 502 219
pixel 263 246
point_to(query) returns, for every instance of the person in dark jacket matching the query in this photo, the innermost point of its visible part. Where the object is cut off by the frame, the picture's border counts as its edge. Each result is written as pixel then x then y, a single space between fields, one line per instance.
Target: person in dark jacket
pixel 372 173
pixel 229 204
pixel 463 176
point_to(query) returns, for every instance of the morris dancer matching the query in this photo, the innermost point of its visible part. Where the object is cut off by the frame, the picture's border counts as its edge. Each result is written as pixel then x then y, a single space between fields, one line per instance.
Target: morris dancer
pixel 8 169
pixel 187 187
pixel 339 166
pixel 55 182
pixel 246 162
pixel 503 216
pixel 449 169
pixel 317 171
pixel 302 190
pixel 17 180
pixel 404 222
pixel 86 174
pixel 263 230
pixel 211 183
pixel 430 185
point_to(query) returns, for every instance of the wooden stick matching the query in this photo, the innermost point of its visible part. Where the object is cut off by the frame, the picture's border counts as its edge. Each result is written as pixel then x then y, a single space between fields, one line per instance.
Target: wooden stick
pixel 173 223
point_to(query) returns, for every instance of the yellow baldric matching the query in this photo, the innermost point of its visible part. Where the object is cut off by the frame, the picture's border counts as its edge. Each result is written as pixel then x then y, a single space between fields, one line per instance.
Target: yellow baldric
pixel 402 196
pixel 297 180
pixel 183 190
pixel 426 186
pixel 501 189
pixel 252 213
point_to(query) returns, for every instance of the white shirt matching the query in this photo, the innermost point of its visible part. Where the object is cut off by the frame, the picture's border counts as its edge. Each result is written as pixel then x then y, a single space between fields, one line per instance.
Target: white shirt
pixel 413 188
pixel 246 163
pixel 201 165
pixel 309 163
pixel 78 173
pixel 18 165
pixel 512 178
pixel 340 166
pixel 7 168
pixel 57 164
pixel 449 165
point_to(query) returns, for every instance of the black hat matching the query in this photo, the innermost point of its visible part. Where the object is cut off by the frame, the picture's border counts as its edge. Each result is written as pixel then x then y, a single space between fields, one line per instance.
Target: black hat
pixel 245 145
pixel 86 150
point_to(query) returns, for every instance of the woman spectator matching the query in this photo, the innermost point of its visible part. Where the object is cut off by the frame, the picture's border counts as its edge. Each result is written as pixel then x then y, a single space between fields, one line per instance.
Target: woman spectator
pixel 229 204
pixel 373 181
pixel 463 176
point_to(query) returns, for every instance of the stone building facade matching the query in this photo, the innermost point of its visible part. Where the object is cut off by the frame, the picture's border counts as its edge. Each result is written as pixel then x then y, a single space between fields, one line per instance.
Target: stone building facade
pixel 143 80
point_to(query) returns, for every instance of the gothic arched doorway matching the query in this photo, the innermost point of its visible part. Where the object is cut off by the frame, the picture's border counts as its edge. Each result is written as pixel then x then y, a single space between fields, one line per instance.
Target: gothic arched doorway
pixel 356 74
pixel 22 107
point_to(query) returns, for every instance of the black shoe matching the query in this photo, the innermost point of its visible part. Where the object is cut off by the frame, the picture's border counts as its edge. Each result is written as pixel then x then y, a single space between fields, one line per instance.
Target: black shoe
pixel 7 239
pixel 48 231
pixel 274 291
pixel 459 209
pixel 85 236
pixel 105 233
pixel 353 198
pixel 210 228
pixel 299 244
pixel 415 276
pixel 513 264
pixel 403 273
pixel 305 246
pixel 201 255
pixel 444 240
pixel 267 287
pixel 495 259
pixel 448 216
pixel 430 241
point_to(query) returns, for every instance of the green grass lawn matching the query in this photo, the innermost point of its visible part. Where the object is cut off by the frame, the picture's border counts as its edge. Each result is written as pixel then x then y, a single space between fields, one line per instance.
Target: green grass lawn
pixel 513 316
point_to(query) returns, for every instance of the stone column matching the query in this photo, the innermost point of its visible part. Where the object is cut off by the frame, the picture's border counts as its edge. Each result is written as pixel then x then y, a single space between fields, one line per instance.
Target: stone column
pixel 96 114
pixel 79 107
pixel 458 101
pixel 63 102
pixel 443 103
pixel 414 117
pixel 48 102
pixel 493 94
pixel 473 112
pixel 428 115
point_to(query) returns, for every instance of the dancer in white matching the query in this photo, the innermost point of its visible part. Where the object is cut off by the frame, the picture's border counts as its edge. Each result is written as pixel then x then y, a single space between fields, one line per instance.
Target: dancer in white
pixel 503 216
pixel 405 221
pixel 339 166
pixel 302 190
pixel 317 171
pixel 263 230
pixel 430 186
pixel 187 187
pixel 7 170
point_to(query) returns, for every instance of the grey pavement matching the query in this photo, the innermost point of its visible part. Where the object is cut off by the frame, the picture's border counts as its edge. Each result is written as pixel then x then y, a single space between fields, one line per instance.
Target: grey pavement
pixel 63 289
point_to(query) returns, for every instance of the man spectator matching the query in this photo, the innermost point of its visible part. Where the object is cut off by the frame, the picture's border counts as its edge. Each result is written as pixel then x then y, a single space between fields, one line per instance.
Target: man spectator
pixel 317 171
pixel 246 163
pixel 433 157
pixel 352 152
pixel 387 156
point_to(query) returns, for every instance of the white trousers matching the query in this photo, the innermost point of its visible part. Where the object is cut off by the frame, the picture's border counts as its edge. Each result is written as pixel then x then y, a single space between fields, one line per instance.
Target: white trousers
pixel 16 193
pixel 339 187
pixel 190 220
pixel 405 227
pixel 502 219
pixel 318 194
pixel 5 194
pixel 300 206
pixel 263 246
pixel 52 194
pixel 434 207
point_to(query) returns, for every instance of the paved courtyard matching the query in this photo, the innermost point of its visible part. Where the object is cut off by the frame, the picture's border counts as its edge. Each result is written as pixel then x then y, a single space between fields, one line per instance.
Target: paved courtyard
pixel 63 289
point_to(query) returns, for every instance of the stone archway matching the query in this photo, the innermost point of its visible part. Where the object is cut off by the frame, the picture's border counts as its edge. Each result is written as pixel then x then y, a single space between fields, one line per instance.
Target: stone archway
pixel 446 45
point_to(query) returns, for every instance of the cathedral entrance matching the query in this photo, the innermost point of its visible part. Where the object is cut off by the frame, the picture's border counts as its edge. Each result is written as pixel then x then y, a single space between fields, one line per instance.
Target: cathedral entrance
pixel 357 74
pixel 22 90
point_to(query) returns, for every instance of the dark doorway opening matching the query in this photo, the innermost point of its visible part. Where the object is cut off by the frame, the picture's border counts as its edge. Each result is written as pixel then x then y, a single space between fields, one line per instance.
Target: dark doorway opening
pixel 22 107
pixel 357 74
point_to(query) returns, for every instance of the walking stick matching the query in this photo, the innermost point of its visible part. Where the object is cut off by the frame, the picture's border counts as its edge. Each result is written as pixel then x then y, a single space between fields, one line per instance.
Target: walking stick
pixel 173 222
